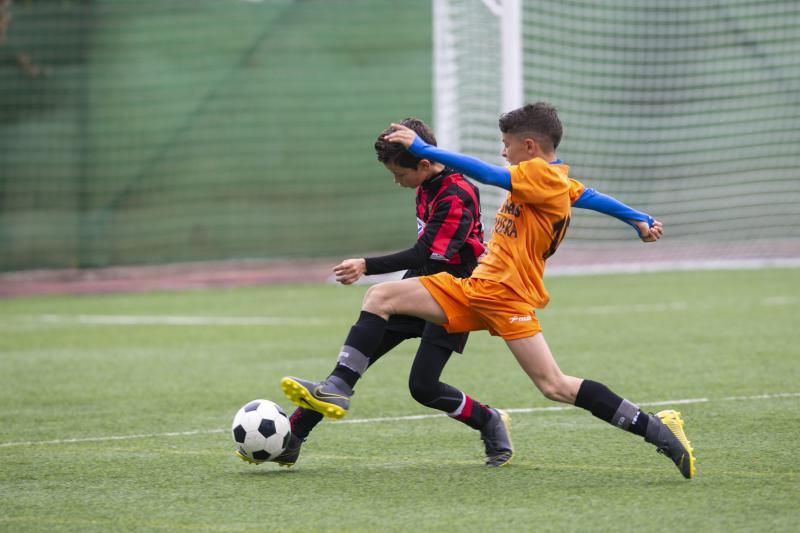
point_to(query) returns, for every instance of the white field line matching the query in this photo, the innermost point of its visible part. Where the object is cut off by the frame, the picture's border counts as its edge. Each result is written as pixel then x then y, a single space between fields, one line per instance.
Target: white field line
pixel 634 267
pixel 780 300
pixel 615 309
pixel 176 320
pixel 673 266
pixel 190 320
pixel 774 396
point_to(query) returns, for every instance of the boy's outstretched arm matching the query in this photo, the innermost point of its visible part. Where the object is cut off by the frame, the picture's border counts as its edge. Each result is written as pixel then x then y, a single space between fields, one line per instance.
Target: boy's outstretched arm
pixel 647 232
pixel 648 228
pixel 465 164
pixel 351 270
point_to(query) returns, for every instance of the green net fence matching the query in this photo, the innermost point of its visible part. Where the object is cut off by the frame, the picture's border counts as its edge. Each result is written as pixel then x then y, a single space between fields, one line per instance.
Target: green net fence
pixel 688 109
pixel 691 108
pixel 152 131
pixel 158 131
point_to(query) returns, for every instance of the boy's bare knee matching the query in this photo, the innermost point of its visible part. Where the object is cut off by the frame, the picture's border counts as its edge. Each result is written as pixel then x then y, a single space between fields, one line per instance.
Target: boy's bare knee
pixel 371 299
pixel 556 390
pixel 549 391
pixel 406 297
pixel 376 300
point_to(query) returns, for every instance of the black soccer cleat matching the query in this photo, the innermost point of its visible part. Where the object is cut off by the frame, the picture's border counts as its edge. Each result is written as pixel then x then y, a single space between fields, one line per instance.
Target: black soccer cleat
pixel 291 453
pixel 496 436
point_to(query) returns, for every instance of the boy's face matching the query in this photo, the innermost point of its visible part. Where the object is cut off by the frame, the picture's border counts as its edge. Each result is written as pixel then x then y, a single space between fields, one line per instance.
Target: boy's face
pixel 410 177
pixel 517 148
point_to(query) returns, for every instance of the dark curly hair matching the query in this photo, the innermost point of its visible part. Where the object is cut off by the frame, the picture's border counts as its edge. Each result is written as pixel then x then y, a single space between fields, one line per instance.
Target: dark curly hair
pixel 539 121
pixel 395 153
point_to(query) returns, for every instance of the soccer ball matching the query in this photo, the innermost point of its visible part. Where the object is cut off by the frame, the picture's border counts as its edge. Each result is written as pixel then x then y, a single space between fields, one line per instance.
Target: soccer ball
pixel 261 431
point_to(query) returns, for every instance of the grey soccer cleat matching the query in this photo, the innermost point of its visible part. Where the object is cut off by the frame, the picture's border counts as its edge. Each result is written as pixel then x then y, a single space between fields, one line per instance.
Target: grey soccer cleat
pixel 496 436
pixel 325 397
pixel 291 453
pixel 665 431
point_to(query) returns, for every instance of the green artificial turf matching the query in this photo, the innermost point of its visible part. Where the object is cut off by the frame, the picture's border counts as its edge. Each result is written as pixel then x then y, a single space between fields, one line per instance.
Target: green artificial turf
pixel 116 413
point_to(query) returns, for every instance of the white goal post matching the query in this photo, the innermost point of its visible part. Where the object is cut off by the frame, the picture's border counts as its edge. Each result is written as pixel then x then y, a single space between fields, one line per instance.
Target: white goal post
pixel 455 69
pixel 446 16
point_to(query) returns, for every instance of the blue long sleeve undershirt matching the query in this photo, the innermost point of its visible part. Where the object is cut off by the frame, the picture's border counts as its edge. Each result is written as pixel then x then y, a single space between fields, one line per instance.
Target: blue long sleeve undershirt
pixel 597 201
pixel 466 164
pixel 501 177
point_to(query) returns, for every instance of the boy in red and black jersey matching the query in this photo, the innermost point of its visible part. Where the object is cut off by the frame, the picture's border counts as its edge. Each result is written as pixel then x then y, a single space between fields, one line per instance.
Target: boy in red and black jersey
pixel 449 239
pixel 449 231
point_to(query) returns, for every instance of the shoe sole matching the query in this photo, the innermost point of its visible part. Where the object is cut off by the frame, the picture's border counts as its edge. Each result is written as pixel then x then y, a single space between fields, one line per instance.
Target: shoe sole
pixel 506 419
pixel 674 422
pixel 252 462
pixel 246 459
pixel 302 397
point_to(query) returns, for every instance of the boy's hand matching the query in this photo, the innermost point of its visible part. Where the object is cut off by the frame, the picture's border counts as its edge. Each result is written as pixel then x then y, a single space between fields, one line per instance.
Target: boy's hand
pixel 401 135
pixel 648 234
pixel 350 270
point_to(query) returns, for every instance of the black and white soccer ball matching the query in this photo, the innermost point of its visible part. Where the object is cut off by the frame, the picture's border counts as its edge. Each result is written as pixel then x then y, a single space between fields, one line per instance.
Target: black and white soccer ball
pixel 261 431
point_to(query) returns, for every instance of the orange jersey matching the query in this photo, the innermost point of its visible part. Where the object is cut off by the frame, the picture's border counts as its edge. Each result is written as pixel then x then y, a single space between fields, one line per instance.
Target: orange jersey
pixel 529 227
pixel 576 188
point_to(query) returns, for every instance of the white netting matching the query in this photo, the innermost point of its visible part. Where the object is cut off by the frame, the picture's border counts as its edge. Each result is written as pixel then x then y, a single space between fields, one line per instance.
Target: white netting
pixel 688 110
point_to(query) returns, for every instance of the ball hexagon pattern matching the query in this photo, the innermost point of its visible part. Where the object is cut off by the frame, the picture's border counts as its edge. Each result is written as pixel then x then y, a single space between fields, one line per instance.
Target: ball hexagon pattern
pixel 260 430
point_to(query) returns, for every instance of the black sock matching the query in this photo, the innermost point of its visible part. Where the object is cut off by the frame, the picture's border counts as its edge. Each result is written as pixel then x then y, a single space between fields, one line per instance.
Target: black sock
pixel 388 342
pixel 303 421
pixel 427 388
pixel 607 406
pixel 361 343
pixel 345 374
pixel 473 413
pixel 366 338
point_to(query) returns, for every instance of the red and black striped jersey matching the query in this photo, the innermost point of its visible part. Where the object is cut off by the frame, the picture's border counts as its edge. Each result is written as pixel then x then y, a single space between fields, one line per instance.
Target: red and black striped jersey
pixel 449 230
pixel 449 221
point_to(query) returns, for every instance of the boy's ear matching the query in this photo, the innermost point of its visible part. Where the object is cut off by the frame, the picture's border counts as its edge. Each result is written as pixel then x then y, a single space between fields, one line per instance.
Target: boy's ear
pixel 531 146
pixel 424 165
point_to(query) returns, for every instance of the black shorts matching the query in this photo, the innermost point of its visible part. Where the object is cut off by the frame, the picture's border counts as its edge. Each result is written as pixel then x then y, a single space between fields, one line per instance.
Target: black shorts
pixel 416 327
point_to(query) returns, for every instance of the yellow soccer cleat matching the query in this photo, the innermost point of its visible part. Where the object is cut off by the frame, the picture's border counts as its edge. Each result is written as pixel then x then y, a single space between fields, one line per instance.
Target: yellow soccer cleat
pixel 665 431
pixel 323 397
pixel 246 459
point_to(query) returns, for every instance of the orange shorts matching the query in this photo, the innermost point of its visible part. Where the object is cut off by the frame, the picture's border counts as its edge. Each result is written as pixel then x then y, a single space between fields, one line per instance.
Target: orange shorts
pixel 475 304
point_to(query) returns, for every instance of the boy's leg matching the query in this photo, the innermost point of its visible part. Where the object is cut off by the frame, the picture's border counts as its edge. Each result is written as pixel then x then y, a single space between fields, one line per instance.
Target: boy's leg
pixel 390 340
pixel 304 420
pixel 664 429
pixel 405 297
pixel 535 358
pixel 426 387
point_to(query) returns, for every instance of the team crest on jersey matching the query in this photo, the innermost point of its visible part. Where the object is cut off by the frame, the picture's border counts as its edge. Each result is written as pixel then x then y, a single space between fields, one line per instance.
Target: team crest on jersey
pixel 420 226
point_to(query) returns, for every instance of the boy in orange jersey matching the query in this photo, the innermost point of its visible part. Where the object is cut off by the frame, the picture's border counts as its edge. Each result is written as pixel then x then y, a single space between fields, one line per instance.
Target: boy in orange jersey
pixel 449 239
pixel 506 287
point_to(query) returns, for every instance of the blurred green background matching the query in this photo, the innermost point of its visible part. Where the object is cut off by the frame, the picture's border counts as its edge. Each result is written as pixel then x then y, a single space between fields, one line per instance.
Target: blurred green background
pixel 159 131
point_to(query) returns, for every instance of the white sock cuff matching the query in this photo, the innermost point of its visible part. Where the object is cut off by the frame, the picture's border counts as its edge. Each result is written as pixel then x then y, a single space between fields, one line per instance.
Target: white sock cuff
pixel 460 407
